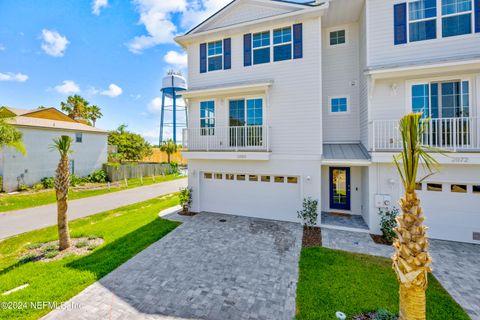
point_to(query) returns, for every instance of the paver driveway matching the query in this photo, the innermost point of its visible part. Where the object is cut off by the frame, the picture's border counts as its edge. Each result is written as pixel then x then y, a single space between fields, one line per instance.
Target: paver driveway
pixel 241 268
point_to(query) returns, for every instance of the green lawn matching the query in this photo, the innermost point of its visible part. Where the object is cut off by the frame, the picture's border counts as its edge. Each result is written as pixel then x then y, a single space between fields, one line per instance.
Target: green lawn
pixel 126 231
pixel 9 202
pixel 333 281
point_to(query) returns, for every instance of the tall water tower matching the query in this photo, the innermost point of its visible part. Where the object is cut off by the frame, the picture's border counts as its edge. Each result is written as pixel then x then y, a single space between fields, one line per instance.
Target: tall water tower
pixel 172 86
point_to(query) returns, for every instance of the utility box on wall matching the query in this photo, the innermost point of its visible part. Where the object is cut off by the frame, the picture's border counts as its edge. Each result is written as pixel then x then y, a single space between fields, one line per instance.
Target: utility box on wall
pixel 382 200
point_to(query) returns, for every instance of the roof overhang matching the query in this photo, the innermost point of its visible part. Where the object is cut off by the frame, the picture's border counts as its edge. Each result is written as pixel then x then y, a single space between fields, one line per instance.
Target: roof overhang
pixel 227 89
pixel 420 69
pixel 306 12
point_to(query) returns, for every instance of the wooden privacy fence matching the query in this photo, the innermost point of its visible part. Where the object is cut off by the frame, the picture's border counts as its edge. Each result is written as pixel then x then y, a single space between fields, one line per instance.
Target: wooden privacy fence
pixel 131 171
pixel 159 156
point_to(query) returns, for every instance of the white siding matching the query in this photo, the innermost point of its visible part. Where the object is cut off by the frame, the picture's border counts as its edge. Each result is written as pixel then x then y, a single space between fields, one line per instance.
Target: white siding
pixel 294 108
pixel 341 79
pixel 245 12
pixel 363 91
pixel 41 161
pixel 382 50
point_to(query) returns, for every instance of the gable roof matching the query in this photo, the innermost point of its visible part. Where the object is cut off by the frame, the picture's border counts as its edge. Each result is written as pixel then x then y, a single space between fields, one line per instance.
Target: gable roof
pixel 45 118
pixel 232 14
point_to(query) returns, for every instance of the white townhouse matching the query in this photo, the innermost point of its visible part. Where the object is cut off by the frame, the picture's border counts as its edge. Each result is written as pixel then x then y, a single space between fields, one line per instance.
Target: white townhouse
pixel 293 100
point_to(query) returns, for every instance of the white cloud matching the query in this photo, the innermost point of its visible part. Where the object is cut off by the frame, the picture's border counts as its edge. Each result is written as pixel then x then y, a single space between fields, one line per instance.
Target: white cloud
pixel 113 91
pixel 2 47
pixel 54 44
pixel 97 6
pixel 199 10
pixel 155 105
pixel 157 15
pixel 175 58
pixel 135 96
pixel 67 87
pixel 9 76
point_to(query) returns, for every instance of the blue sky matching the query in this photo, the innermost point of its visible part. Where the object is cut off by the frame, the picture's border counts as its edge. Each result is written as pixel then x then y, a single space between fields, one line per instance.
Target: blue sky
pixel 112 52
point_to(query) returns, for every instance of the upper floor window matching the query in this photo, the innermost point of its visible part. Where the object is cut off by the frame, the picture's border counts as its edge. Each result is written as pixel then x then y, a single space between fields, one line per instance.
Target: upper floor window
pixel 207 118
pixel 215 55
pixel 416 20
pixel 456 17
pixel 261 47
pixel 337 37
pixel 422 22
pixel 78 137
pixel 339 105
pixel 282 44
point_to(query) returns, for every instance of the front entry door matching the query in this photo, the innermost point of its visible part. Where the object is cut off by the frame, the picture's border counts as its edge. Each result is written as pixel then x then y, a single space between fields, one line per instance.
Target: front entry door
pixel 340 188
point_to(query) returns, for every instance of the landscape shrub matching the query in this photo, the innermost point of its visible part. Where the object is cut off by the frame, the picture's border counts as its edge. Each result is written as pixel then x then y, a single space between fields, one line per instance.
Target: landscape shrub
pixel 388 223
pixel 99 176
pixel 22 187
pixel 383 314
pixel 48 183
pixel 185 199
pixel 38 186
pixel 75 180
pixel 309 213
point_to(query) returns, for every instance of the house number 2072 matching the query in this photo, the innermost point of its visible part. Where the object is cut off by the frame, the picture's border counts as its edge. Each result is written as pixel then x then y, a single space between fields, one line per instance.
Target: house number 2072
pixel 460 160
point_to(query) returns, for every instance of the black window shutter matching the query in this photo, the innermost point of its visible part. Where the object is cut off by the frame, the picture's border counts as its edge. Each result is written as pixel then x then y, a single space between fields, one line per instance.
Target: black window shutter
pixel 203 57
pixel 400 23
pixel 247 49
pixel 227 53
pixel 477 15
pixel 297 41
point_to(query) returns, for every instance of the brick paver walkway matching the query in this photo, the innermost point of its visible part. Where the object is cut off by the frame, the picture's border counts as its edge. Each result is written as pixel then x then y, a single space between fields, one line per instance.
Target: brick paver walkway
pixel 241 268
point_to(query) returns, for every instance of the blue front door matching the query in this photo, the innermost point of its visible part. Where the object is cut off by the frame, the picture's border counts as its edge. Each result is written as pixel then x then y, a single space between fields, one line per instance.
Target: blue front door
pixel 340 188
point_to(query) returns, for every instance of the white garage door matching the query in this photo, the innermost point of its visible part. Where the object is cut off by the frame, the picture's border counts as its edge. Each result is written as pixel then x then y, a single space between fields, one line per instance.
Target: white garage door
pixel 263 196
pixel 451 211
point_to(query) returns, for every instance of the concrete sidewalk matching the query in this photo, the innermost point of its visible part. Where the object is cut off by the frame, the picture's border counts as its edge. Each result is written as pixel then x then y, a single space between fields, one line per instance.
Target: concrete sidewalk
pixel 20 221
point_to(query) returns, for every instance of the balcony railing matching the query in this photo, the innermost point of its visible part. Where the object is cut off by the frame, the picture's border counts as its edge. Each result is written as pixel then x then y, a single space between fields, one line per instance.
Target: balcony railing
pixel 242 138
pixel 452 134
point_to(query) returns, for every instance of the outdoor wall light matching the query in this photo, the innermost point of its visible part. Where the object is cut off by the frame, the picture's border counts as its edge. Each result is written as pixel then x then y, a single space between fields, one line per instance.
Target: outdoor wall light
pixel 308 178
pixel 392 181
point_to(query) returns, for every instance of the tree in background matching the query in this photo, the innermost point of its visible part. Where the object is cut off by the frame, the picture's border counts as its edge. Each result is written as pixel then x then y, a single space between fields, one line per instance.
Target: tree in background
pixel 11 136
pixel 77 107
pixel 169 147
pixel 62 183
pixel 93 114
pixel 130 146
pixel 411 260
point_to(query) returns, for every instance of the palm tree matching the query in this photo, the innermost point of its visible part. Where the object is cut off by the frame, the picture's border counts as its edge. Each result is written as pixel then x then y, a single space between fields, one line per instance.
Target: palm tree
pixel 411 260
pixel 94 113
pixel 76 107
pixel 62 182
pixel 122 128
pixel 11 136
pixel 169 147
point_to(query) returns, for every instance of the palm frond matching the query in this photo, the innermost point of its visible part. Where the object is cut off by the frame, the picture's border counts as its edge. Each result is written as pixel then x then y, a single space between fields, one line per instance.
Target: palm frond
pixel 62 145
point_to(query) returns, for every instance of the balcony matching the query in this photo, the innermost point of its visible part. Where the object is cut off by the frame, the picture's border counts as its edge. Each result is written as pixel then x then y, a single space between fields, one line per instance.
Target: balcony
pixel 450 134
pixel 232 139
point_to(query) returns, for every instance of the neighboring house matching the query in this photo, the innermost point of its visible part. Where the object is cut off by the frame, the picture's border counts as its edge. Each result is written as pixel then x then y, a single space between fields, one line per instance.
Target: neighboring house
pixel 39 128
pixel 288 101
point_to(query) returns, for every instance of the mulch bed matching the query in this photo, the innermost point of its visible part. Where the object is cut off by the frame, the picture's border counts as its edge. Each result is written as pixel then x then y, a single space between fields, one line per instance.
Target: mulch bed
pixel 312 237
pixel 49 251
pixel 378 239
pixel 188 214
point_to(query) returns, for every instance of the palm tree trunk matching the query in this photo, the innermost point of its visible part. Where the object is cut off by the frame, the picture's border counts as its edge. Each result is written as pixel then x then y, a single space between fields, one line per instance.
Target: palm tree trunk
pixel 168 158
pixel 411 260
pixel 63 233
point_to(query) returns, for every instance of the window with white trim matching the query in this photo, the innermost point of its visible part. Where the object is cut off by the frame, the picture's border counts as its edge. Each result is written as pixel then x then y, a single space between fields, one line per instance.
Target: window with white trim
pixel 339 105
pixel 337 37
pixel 215 55
pixel 261 47
pixel 456 17
pixel 282 44
pixel 207 118
pixel 422 20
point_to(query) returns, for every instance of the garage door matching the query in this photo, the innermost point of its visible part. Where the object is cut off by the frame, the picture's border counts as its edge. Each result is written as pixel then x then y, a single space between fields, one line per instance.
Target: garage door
pixel 263 196
pixel 451 211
